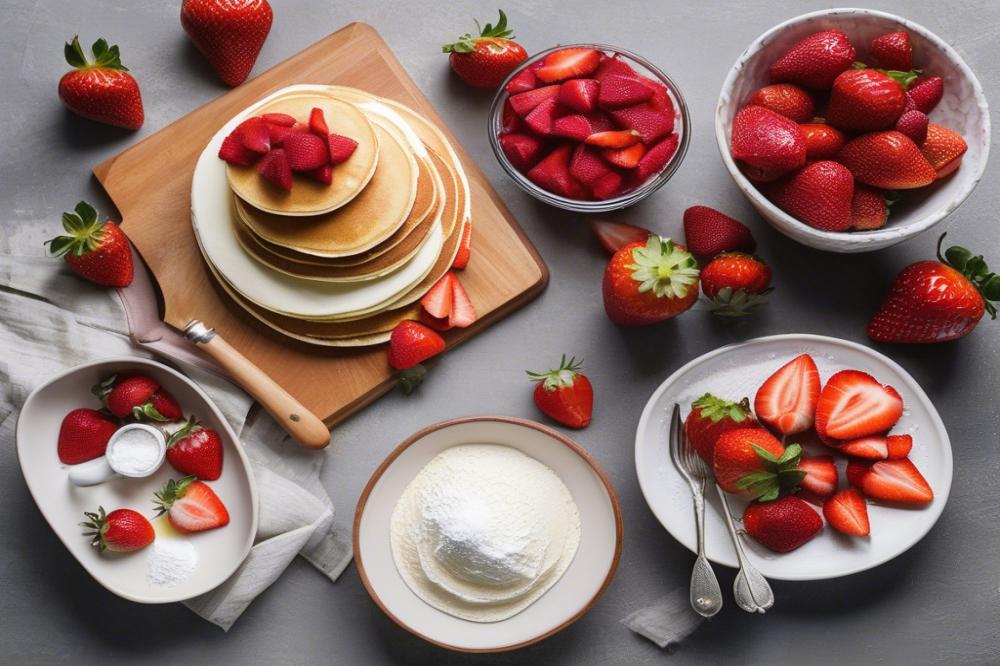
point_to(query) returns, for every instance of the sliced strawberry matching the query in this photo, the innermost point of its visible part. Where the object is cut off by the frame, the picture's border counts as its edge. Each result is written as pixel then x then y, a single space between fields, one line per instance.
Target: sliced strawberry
pixel 573 127
pixel 524 103
pixel 438 324
pixel 587 166
pixel 620 91
pixel 305 152
pixel 614 139
pixel 607 186
pixel 317 123
pixel 896 481
pixel 853 404
pixel 462 312
pixel 275 169
pixel 660 101
pixel 657 157
pixel 616 235
pixel 543 117
pixel 553 174
pixel 509 120
pixel 523 150
pixel 626 158
pixel 847 513
pixel 856 472
pixel 872 447
pixel 191 505
pixel 899 446
pixel 340 148
pixel 786 400
pixel 322 175
pixel 464 248
pixel 254 135
pixel 523 81
pixel 579 94
pixel 600 121
pixel 652 125
pixel 279 133
pixel 280 119
pixel 234 152
pixel 615 65
pixel 438 301
pixel 568 64
pixel 821 475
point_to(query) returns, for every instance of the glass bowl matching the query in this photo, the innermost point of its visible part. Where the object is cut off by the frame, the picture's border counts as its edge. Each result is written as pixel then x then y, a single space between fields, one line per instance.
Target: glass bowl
pixel 682 125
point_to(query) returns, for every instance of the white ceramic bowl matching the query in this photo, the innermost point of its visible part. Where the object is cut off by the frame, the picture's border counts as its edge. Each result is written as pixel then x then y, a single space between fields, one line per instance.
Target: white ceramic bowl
pixel 219 552
pixel 963 109
pixel 573 594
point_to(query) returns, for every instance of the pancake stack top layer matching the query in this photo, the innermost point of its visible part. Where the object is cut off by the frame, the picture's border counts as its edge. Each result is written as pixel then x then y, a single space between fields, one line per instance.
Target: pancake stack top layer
pixel 339 250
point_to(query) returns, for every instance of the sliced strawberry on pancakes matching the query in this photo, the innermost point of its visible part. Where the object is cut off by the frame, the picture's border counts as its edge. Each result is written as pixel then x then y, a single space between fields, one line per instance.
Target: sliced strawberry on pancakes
pixel 896 481
pixel 853 404
pixel 786 400
pixel 847 513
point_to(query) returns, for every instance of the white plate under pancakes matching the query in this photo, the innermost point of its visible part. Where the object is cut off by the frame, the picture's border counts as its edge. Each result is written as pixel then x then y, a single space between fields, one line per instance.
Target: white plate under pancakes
pixel 212 218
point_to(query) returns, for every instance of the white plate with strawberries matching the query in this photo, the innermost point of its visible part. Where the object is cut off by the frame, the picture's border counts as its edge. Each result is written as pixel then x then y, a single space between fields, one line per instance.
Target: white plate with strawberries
pixel 891 455
pixel 201 477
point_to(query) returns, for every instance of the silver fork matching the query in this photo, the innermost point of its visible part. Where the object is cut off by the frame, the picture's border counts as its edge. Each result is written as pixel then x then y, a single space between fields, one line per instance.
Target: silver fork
pixel 751 590
pixel 706 597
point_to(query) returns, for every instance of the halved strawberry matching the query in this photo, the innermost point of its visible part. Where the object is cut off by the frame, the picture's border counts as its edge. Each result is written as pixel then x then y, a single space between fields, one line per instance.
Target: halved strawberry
pixel 509 120
pixel 652 125
pixel 626 158
pixel 438 301
pixel 821 475
pixel 600 121
pixel 786 400
pixel 317 123
pixel 280 119
pixel 305 152
pixel 543 117
pixel 616 235
pixel 607 186
pixel 523 103
pixel 854 404
pixel 279 133
pixel 620 91
pixel 847 513
pixel 234 152
pixel 254 135
pixel 462 311
pixel 579 94
pixel 464 248
pixel 340 148
pixel 191 505
pixel 877 447
pixel 896 481
pixel 615 65
pixel 573 127
pixel 436 323
pixel 553 174
pixel 523 150
pixel 614 139
pixel 524 80
pixel 322 175
pixel 275 169
pixel 568 64
pixel 587 166
pixel 856 471
pixel 657 157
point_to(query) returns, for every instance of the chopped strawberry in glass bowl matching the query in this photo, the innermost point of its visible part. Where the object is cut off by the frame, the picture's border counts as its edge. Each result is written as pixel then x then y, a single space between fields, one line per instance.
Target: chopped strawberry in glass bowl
pixel 589 127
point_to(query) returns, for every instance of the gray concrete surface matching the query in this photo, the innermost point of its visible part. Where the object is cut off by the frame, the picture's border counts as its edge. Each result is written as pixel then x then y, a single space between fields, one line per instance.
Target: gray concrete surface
pixel 938 603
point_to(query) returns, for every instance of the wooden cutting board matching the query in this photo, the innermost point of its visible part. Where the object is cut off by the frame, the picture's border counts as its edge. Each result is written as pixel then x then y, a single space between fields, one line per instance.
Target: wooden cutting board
pixel 150 183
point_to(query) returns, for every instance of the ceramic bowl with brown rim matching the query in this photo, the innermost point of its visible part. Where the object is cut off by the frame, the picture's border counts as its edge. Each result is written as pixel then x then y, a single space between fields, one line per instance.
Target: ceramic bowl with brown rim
pixel 580 586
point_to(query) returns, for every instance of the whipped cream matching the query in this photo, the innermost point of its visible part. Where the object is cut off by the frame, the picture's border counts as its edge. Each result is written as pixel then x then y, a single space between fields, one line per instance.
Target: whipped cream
pixel 483 531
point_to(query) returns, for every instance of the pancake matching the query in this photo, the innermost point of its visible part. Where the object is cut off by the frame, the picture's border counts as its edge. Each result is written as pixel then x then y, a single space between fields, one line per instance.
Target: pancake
pixel 307 196
pixel 372 217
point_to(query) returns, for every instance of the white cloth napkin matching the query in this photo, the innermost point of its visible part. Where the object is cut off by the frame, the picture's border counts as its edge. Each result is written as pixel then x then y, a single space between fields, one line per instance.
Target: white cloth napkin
pixel 667 621
pixel 51 320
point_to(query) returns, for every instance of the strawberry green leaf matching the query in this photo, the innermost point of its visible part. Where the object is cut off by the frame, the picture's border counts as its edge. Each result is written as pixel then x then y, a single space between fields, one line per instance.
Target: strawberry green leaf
pixel 715 409
pixel 74 53
pixel 791 454
pixel 562 377
pixel 770 495
pixel 411 378
pixel 663 268
pixel 766 455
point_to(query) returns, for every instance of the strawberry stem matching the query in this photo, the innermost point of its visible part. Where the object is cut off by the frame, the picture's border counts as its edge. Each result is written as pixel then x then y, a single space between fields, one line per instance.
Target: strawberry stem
pixel 561 377
pixel 105 56
pixel 84 232
pixel 467 42
pixel 663 268
pixel 975 270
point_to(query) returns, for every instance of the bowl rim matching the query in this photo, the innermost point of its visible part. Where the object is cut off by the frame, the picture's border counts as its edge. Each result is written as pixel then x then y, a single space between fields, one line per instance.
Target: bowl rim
pixel 510 420
pixel 798 230
pixel 494 117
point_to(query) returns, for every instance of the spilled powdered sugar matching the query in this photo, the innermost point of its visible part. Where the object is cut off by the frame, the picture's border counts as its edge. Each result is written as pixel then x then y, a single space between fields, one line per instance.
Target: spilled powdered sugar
pixel 171 561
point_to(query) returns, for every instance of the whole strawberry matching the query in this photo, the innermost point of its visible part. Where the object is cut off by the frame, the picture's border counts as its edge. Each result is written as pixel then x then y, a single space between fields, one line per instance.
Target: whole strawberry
pixel 787 99
pixel 736 283
pixel 766 143
pixel 752 461
pixel 485 60
pixel 819 195
pixel 196 450
pixel 782 525
pixel 564 394
pixel 121 531
pixel 99 251
pixel 815 61
pixel 648 282
pixel 887 160
pixel 934 301
pixel 410 344
pixel 84 435
pixel 943 149
pixel 869 208
pixel 864 100
pixel 710 417
pixel 102 90
pixel 137 396
pixel 708 232
pixel 822 141
pixel 893 50
pixel 229 34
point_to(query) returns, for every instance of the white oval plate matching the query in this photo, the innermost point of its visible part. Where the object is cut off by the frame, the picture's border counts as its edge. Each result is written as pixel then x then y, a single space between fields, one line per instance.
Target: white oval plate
pixel 576 591
pixel 736 371
pixel 220 551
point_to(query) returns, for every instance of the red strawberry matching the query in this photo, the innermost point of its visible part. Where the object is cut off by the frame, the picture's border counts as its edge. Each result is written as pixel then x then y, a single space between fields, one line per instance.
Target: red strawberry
pixel 103 90
pixel 786 401
pixel 462 312
pixel 191 505
pixel 896 481
pixel 854 404
pixel 579 94
pixel 322 175
pixel 656 158
pixel 877 447
pixel 99 251
pixel 543 117
pixel 933 301
pixel 752 461
pixel 822 141
pixel 84 435
pixel 509 120
pixel 233 151
pixel 856 471
pixel 436 323
pixel 914 125
pixel 317 123
pixel 708 232
pixel 869 208
pixel 568 64
pixel 165 404
pixel 943 148
pixel 887 160
pixel 614 65
pixel 899 446
pixel 847 513
pixel 412 343
pixel 600 122
pixel 768 143
pixel 524 80
pixel 926 92
pixel 485 60
pixel 438 301
pixel 523 150
pixel 615 235
pixel 552 173
pixel 648 282
pixel 735 283
pixel 136 396
pixel 710 417
pixel 196 450
pixel 121 531
pixel 607 186
pixel 587 166
pixel 524 103
pixel 782 525
pixel 229 34
pixel 893 50
pixel 651 124
pixel 464 249
pixel 821 475
pixel 613 139
pixel 863 100
pixel 815 61
pixel 787 99
pixel 626 158
pixel 280 119
pixel 620 91
pixel 574 127
pixel 278 133
pixel 818 195
pixel 564 394
pixel 305 152
pixel 275 169
pixel 254 134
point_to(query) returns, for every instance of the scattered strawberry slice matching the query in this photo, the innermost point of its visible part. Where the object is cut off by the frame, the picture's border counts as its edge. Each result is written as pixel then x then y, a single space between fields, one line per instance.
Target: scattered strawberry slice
pixel 652 125
pixel 553 174
pixel 782 525
pixel 523 150
pixel 847 513
pixel 786 400
pixel 587 166
pixel 613 139
pixel 275 169
pixel 896 481
pixel 543 117
pixel 524 103
pixel 317 123
pixel 620 91
pixel 121 531
pixel 568 64
pixel 877 447
pixel 707 232
pixel 464 249
pixel 626 158
pixel 821 475
pixel 574 127
pixel 899 446
pixel 280 119
pixel 322 175
pixel 438 301
pixel 462 313
pixel 579 94
pixel 191 505
pixel 607 186
pixel 564 394
pixel 412 343
pixel 305 152
pixel 84 435
pixel 856 471
pixel 254 134
pixel 656 158
pixel 854 404
pixel 234 152
pixel 340 148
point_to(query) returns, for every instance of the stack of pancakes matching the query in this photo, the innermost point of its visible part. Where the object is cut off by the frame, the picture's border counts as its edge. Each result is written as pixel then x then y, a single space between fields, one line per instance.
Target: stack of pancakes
pixel 339 264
